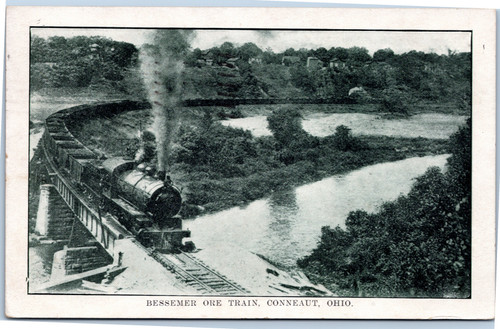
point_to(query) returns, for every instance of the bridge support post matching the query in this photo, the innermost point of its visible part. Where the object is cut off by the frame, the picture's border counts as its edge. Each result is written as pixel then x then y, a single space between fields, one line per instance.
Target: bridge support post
pixel 43 216
pixel 54 219
pixel 71 261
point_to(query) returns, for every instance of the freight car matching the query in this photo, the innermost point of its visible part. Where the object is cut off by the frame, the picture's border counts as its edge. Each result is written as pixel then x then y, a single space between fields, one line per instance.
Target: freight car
pixel 147 206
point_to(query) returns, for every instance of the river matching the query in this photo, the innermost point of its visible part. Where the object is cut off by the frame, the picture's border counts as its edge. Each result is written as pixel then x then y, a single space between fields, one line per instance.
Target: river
pixel 287 225
pixel 427 125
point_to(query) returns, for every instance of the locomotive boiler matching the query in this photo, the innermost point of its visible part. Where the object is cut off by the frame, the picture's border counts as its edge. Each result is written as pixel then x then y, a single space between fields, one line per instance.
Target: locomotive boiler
pixel 159 199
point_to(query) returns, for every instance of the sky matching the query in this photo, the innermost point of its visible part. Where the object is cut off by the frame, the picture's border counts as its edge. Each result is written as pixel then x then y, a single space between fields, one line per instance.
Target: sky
pixel 278 41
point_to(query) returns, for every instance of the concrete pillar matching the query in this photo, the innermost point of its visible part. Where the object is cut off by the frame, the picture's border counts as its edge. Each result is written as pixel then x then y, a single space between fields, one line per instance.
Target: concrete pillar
pixel 77 260
pixel 43 216
pixel 58 265
pixel 55 220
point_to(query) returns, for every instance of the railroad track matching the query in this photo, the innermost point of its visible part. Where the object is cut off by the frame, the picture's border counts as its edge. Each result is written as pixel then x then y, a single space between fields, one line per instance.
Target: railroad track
pixel 198 275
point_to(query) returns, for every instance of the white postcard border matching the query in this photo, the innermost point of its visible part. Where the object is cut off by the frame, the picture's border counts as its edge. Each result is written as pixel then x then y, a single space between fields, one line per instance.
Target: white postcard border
pixel 481 22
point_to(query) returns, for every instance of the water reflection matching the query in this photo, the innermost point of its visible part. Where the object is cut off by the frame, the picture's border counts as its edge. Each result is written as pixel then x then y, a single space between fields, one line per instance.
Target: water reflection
pixel 283 214
pixel 287 225
pixel 283 209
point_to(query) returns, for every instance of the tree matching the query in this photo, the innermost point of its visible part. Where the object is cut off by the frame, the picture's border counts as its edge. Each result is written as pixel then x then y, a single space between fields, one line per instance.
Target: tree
pixel 80 61
pixel 193 57
pixel 249 50
pixel 339 53
pixel 269 57
pixel 39 50
pixel 123 54
pixel 290 52
pixel 380 77
pixel 411 68
pixel 215 148
pixel 383 55
pixel 286 125
pixel 358 55
pixel 322 54
pixel 303 79
pixel 58 48
pixel 460 161
pixel 293 143
pixel 343 138
pixel 396 101
pixel 227 50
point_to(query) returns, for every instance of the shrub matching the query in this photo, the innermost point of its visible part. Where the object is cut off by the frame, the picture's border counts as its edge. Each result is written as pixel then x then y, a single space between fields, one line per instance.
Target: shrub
pixel 396 100
pixel 222 149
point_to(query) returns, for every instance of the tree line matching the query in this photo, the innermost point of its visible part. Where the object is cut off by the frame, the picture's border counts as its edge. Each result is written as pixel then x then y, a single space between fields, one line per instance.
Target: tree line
pixel 396 82
pixel 80 61
pixel 385 77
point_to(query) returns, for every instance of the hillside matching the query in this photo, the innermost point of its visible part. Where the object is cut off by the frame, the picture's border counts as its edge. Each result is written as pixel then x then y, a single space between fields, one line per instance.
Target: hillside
pixel 398 83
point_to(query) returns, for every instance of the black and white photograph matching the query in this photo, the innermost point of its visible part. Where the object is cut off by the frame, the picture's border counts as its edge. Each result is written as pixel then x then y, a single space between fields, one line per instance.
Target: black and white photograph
pixel 256 167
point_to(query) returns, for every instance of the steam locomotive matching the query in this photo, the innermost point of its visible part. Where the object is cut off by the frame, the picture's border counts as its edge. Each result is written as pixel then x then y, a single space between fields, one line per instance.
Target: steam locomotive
pixel 145 202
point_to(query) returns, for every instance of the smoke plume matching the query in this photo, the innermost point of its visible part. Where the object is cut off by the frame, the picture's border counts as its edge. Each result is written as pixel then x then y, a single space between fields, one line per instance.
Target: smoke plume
pixel 162 65
pixel 147 148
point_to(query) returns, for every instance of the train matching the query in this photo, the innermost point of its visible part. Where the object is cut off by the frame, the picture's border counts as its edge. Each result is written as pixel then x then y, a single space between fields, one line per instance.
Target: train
pixel 145 202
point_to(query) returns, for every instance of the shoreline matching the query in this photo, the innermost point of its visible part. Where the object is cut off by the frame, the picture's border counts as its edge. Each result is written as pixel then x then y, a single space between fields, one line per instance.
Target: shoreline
pixel 225 201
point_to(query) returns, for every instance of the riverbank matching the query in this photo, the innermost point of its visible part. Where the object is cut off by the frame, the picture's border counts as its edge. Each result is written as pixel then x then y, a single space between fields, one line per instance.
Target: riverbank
pixel 418 245
pixel 372 108
pixel 427 125
pixel 286 225
pixel 218 194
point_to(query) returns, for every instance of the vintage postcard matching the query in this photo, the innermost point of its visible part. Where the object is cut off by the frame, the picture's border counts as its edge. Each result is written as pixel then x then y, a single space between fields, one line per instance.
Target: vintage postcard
pixel 250 163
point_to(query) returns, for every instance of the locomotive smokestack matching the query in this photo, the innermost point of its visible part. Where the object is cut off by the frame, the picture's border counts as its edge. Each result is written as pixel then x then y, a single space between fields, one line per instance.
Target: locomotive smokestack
pixel 161 175
pixel 162 66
